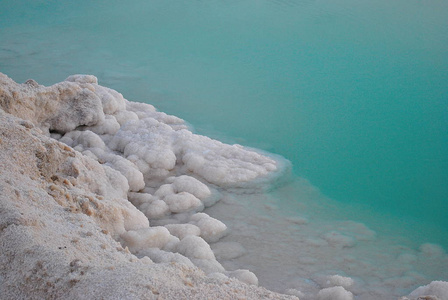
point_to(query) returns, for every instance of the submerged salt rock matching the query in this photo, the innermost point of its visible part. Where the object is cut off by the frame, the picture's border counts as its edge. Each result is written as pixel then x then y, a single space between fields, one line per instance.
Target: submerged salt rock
pixel 435 288
pixel 228 250
pixel 213 198
pixel 407 258
pixel 431 250
pixel 316 242
pixel 298 220
pixel 337 239
pixel 338 280
pixel 334 293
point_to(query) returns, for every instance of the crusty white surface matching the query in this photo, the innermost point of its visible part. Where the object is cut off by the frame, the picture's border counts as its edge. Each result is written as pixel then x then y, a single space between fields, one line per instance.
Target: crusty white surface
pixel 85 177
pixel 56 226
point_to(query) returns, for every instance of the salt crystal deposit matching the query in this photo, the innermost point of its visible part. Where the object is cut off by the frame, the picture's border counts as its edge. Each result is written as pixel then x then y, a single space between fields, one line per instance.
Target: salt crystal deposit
pixel 103 197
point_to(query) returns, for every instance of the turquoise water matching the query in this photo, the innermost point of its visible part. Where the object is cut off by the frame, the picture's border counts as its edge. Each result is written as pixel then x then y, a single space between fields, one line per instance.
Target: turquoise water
pixel 354 93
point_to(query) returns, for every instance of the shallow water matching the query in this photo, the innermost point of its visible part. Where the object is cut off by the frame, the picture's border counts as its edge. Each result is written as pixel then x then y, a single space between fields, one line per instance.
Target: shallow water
pixel 353 93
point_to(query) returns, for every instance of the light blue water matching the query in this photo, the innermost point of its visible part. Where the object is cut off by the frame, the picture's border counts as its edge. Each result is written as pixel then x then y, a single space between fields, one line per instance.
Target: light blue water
pixel 354 93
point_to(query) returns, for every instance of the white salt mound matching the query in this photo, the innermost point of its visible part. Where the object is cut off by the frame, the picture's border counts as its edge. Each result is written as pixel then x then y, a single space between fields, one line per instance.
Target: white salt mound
pixel 334 293
pixel 102 198
pixel 437 289
pixel 66 205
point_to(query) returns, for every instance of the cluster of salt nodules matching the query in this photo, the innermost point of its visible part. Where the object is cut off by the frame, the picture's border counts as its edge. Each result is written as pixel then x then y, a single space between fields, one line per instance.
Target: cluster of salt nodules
pixel 145 159
pixel 169 173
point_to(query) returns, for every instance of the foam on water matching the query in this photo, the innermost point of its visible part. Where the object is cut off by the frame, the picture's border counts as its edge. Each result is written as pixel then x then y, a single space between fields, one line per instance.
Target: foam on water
pixel 352 93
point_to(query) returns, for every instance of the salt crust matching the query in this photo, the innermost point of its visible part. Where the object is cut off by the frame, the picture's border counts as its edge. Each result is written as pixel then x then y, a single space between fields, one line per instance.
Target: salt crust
pixel 67 205
pixel 334 293
pixel 437 289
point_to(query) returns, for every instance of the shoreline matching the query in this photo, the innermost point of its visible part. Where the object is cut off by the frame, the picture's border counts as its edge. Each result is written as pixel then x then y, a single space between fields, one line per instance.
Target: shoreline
pixel 117 167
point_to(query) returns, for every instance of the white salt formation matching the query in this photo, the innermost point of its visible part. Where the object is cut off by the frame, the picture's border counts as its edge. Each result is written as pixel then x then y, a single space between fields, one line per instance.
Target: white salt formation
pixel 102 198
pixel 64 205
pixel 436 290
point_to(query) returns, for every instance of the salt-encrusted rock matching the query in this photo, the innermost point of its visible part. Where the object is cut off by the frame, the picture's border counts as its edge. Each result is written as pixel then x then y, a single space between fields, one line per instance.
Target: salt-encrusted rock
pixel 434 290
pixel 244 276
pixel 334 280
pixel 61 107
pixel 59 214
pixel 183 230
pixel 337 239
pixel 200 253
pixel 153 237
pixel 195 247
pixel 183 202
pixel 431 250
pixel 68 177
pixel 63 207
pixel 334 293
pixel 211 229
pixel 228 250
pixel 190 185
pixel 161 256
pixel 154 142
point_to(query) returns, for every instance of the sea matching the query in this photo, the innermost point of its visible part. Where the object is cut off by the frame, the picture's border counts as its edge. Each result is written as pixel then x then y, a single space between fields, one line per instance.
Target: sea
pixel 353 93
